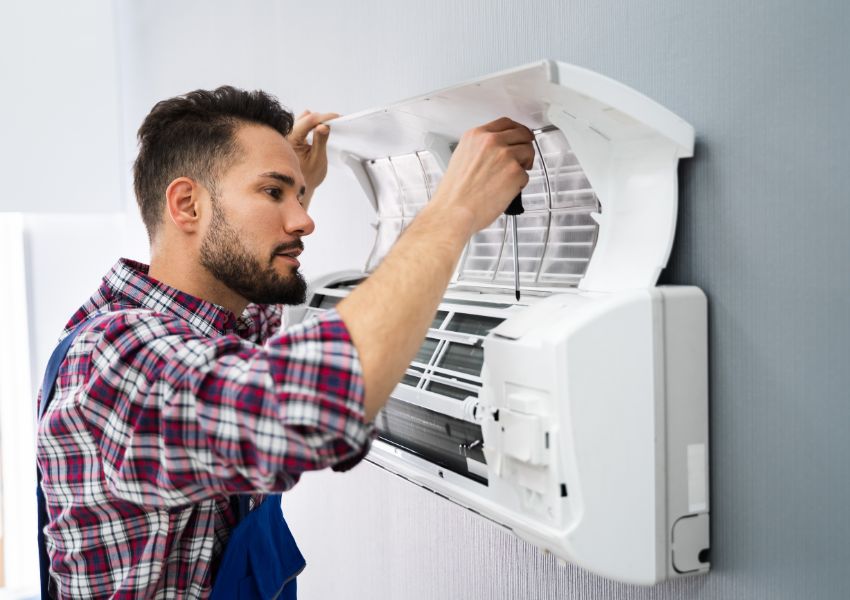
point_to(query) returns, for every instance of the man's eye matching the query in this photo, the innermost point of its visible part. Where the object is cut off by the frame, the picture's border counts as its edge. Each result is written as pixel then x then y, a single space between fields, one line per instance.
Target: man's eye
pixel 274 193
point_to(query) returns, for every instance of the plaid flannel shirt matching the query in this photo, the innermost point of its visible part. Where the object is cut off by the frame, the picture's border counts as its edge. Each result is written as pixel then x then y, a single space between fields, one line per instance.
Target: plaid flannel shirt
pixel 165 405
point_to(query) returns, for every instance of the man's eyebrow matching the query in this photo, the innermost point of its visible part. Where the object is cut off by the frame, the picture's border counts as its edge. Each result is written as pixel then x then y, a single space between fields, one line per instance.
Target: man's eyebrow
pixel 284 179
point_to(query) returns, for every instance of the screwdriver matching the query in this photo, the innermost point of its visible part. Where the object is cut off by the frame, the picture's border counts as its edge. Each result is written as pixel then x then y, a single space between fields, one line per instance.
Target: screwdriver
pixel 515 208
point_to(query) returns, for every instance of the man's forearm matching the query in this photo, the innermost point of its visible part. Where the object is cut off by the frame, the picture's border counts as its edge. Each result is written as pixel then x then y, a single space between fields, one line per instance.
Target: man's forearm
pixel 389 313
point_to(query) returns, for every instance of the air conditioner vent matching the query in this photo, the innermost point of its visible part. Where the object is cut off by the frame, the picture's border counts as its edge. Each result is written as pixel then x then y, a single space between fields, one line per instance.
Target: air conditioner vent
pixel 442 440
pixel 474 324
pixel 451 391
pixel 460 358
pixel 426 352
pixel 324 302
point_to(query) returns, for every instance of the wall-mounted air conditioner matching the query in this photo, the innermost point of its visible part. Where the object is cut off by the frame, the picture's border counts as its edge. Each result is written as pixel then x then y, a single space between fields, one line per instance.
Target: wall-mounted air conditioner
pixel 577 416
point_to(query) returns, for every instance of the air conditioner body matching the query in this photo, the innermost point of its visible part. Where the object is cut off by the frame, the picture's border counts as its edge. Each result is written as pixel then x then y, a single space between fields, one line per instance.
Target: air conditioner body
pixel 577 415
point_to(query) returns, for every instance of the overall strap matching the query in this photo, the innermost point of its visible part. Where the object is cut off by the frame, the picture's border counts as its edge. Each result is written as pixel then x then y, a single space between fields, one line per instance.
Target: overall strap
pixel 240 504
pixel 47 387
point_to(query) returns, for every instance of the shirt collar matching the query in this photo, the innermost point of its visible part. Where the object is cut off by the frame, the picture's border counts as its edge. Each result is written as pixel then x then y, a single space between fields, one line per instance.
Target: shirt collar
pixel 129 279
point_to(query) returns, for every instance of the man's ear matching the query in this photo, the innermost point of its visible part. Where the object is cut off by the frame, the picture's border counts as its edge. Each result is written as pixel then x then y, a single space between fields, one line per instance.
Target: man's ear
pixel 182 199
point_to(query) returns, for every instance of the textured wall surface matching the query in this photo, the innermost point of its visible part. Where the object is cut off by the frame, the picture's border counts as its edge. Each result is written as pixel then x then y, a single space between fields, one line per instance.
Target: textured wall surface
pixel 763 230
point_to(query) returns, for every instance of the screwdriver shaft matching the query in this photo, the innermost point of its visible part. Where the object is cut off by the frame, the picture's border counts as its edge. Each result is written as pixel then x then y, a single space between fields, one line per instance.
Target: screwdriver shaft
pixel 516 257
pixel 515 208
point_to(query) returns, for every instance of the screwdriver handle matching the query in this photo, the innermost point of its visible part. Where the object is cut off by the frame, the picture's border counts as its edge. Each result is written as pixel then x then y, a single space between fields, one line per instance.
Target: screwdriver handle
pixel 515 207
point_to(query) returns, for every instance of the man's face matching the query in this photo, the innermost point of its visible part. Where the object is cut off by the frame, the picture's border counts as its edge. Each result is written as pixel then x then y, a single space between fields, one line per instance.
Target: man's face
pixel 253 236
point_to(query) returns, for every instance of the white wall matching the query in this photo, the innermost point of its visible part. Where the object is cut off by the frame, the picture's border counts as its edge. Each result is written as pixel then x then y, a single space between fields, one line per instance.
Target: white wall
pixel 17 511
pixel 60 107
pixel 67 255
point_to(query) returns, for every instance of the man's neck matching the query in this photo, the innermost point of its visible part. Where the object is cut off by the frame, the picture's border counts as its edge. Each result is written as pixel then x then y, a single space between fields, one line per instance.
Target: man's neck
pixel 191 278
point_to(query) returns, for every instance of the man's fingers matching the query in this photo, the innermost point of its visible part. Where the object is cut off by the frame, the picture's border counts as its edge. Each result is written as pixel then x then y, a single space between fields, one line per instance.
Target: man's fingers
pixel 329 116
pixel 303 125
pixel 320 138
pixel 500 124
pixel 524 154
pixel 518 134
pixel 307 122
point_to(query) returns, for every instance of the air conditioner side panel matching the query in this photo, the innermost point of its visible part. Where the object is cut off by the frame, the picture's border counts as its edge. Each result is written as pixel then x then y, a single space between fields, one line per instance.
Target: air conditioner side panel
pixel 608 450
pixel 612 399
pixel 686 357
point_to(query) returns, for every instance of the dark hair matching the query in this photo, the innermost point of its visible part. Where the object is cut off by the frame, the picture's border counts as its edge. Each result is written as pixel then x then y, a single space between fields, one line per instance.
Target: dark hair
pixel 194 135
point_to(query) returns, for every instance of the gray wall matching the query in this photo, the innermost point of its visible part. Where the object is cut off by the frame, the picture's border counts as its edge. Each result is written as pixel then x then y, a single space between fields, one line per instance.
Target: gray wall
pixel 764 216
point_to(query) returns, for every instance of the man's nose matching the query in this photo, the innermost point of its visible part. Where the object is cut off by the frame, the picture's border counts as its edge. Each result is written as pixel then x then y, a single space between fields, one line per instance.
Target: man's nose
pixel 296 221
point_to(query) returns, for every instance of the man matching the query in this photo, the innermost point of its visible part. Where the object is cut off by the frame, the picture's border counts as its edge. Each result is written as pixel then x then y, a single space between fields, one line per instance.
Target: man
pixel 181 390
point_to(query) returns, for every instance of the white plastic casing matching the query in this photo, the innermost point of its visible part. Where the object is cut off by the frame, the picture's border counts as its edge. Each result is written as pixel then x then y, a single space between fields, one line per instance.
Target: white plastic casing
pixel 628 145
pixel 592 399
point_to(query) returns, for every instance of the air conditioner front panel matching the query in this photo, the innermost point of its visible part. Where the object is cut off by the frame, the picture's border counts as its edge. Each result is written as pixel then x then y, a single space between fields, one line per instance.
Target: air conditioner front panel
pixel 568 434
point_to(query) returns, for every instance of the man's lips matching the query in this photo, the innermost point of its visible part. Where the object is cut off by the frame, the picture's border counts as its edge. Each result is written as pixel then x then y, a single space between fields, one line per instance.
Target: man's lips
pixel 290 253
pixel 290 259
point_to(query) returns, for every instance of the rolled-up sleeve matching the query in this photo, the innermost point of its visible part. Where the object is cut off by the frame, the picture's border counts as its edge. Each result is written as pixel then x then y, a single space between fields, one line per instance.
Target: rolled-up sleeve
pixel 179 417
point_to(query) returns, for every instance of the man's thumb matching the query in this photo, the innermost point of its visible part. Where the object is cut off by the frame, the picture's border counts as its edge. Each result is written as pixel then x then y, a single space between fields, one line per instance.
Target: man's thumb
pixel 320 137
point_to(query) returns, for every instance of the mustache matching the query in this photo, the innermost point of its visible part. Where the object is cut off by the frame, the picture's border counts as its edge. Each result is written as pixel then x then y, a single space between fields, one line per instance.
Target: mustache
pixel 288 247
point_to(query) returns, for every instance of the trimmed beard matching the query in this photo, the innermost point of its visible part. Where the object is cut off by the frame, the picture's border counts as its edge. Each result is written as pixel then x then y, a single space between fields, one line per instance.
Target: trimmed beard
pixel 223 254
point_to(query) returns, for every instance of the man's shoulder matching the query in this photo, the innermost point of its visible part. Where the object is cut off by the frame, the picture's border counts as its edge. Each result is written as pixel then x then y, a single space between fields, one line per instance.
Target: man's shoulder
pixel 131 317
pixel 132 326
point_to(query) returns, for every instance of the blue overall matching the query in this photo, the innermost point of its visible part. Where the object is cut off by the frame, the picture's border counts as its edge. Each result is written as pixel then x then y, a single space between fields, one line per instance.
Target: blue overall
pixel 261 560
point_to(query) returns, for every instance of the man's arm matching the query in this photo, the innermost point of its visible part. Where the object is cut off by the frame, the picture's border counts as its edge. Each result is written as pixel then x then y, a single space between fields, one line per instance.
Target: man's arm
pixel 389 313
pixel 178 417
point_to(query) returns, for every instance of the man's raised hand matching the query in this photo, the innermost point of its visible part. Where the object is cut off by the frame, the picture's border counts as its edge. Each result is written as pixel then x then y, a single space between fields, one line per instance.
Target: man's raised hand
pixel 487 170
pixel 312 157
